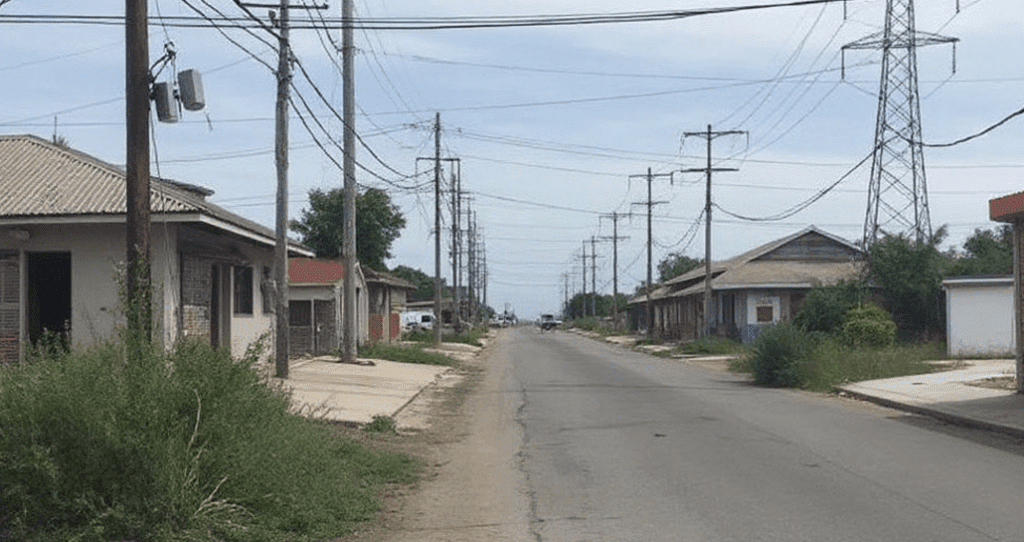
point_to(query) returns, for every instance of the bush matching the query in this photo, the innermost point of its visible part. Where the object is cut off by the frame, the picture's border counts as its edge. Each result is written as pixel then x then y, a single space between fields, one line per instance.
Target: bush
pixel 868 326
pixel 191 444
pixel 825 307
pixel 781 356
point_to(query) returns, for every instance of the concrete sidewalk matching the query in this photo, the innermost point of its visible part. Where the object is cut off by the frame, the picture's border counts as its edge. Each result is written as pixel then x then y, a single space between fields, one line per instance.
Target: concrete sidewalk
pixel 341 392
pixel 953 396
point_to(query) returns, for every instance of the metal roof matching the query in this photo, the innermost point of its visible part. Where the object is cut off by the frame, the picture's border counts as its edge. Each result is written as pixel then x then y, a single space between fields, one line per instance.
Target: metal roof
pixel 755 269
pixel 41 179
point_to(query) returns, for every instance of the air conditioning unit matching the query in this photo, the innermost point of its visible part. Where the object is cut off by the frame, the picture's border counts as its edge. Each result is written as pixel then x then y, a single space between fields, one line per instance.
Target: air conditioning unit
pixel 166 104
pixel 190 90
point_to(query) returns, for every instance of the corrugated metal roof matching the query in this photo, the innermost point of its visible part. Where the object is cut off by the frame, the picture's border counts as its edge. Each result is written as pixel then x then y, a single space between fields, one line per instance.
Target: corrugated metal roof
pixel 387 278
pixel 39 178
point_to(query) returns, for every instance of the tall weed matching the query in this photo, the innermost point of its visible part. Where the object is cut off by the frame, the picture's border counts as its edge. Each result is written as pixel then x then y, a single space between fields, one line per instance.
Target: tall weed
pixel 187 445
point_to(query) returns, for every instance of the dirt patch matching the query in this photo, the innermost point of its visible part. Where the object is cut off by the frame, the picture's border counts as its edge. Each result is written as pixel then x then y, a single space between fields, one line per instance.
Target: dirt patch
pixel 996 383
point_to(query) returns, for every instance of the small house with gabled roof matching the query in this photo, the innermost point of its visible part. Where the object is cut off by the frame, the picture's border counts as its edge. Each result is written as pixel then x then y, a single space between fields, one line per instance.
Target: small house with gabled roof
pixel 762 286
pixel 63 238
pixel 316 306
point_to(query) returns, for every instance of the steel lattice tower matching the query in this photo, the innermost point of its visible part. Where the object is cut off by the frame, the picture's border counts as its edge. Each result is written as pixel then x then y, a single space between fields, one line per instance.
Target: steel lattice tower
pixel 898 193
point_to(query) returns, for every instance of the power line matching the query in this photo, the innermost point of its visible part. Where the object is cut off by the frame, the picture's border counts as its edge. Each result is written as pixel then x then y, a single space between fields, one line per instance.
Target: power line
pixel 419 23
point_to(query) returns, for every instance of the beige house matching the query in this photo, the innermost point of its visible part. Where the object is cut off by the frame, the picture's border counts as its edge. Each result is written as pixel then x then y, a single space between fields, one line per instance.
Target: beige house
pixel 387 299
pixel 316 308
pixel 62 241
pixel 763 286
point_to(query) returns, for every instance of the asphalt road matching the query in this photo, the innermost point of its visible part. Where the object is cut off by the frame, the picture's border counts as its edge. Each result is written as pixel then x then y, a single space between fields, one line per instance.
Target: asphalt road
pixel 616 445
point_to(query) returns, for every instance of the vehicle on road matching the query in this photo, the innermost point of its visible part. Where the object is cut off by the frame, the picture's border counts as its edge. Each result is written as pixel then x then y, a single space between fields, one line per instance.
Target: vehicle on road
pixel 548 322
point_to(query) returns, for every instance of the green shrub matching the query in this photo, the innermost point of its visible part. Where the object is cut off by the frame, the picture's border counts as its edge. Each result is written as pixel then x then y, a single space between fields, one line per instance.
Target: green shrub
pixel 825 307
pixel 781 356
pixel 868 326
pixel 380 424
pixel 190 444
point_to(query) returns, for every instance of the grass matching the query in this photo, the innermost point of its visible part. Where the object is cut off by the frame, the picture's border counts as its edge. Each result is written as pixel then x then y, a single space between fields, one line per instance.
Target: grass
pixel 715 346
pixel 186 445
pixel 469 336
pixel 404 354
pixel 830 364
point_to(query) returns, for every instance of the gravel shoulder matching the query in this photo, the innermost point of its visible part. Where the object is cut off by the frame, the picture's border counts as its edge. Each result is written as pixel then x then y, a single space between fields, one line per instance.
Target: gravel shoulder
pixel 465 431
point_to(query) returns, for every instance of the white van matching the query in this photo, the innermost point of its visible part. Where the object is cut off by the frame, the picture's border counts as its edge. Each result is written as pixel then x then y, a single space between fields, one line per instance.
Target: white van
pixel 416 320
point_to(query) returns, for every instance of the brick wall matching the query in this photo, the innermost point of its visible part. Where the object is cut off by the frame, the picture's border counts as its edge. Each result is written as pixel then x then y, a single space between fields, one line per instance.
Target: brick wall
pixel 10 305
pixel 196 290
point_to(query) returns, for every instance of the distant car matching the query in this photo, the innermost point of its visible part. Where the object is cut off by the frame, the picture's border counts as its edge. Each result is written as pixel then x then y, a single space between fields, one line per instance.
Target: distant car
pixel 548 322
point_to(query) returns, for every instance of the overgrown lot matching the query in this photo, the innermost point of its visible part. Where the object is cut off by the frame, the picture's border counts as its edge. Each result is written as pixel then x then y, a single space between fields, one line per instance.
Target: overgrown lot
pixel 185 445
pixel 788 356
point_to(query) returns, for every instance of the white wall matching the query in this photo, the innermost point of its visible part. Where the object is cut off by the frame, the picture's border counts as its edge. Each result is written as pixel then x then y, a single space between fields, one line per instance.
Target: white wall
pixel 979 320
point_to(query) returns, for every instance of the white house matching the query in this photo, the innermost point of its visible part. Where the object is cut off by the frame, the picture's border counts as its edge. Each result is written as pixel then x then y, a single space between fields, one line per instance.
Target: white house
pixel 63 239
pixel 316 306
pixel 979 316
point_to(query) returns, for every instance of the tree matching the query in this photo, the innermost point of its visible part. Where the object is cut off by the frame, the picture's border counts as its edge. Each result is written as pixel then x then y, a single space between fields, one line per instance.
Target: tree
pixel 424 283
pixel 909 274
pixel 378 223
pixel 987 252
pixel 676 264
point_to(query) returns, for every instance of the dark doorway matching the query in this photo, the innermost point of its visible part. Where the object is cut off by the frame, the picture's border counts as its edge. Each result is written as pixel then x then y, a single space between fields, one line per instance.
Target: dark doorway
pixel 49 296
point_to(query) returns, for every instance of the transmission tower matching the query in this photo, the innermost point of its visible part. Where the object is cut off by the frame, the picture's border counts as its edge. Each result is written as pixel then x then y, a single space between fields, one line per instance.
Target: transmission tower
pixel 898 193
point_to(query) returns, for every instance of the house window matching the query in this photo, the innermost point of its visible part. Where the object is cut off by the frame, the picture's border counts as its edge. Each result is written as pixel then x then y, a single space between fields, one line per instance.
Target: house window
pixel 765 314
pixel 243 290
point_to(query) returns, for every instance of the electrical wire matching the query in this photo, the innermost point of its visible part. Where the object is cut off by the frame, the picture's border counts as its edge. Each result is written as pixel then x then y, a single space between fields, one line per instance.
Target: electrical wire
pixel 424 23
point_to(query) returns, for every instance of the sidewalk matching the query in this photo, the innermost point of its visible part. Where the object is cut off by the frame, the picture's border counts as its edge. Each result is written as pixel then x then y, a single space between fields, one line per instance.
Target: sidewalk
pixel 953 396
pixel 343 392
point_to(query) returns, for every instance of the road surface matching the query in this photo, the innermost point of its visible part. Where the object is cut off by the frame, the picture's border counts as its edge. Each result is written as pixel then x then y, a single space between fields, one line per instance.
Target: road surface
pixel 571 439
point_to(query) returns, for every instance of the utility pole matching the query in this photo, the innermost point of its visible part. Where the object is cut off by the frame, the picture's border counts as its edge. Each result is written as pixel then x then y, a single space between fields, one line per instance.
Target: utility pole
pixel 593 276
pixel 709 136
pixel 650 205
pixel 284 77
pixel 137 211
pixel 437 227
pixel 350 314
pixel 437 224
pixel 456 189
pixel 583 310
pixel 615 262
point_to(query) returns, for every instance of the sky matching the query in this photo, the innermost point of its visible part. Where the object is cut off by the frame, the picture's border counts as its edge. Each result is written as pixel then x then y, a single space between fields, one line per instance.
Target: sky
pixel 554 127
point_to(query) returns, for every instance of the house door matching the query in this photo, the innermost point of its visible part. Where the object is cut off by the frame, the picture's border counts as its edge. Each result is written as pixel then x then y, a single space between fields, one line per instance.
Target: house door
pixel 49 296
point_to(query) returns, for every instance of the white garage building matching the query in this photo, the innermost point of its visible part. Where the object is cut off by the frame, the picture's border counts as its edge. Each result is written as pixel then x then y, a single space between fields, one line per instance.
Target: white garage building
pixel 979 316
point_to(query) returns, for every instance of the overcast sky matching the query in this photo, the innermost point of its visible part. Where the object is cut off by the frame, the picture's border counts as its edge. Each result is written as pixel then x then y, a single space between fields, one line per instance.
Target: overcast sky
pixel 550 123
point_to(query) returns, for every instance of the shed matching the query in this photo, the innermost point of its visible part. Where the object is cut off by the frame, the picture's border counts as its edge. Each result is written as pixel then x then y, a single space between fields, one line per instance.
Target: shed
pixel 979 316
pixel 315 307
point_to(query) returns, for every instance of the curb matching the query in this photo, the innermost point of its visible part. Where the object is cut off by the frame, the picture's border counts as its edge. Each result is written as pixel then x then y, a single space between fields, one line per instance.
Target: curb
pixel 948 417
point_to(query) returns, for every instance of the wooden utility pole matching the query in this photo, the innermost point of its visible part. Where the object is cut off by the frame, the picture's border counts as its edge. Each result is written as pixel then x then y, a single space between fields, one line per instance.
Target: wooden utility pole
pixel 137 211
pixel 284 77
pixel 583 309
pixel 437 228
pixel 350 314
pixel 615 262
pixel 709 136
pixel 593 276
pixel 650 205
